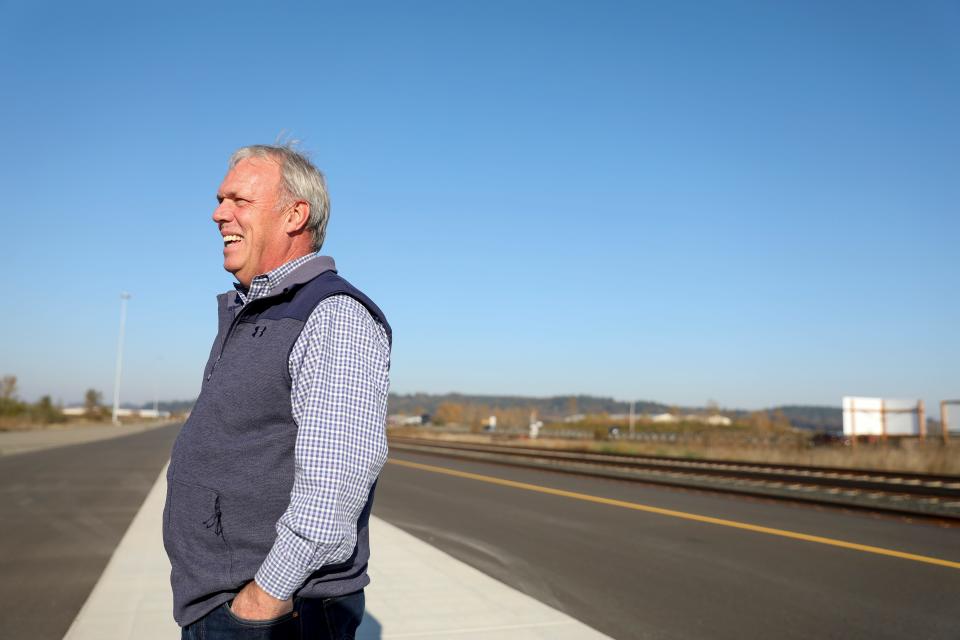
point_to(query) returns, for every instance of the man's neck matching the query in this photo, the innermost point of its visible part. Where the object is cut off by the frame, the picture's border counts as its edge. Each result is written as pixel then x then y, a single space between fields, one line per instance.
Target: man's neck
pixel 263 283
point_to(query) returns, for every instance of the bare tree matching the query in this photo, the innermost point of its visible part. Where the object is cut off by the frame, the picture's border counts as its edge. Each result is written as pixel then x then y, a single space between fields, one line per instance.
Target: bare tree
pixel 8 388
pixel 448 413
pixel 91 402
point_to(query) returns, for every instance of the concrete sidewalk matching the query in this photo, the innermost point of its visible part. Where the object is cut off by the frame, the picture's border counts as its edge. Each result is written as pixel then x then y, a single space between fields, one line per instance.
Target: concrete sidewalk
pixel 27 440
pixel 416 591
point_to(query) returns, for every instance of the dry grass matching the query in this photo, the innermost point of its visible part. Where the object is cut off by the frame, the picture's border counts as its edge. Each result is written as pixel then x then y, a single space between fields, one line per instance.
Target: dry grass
pixel 910 455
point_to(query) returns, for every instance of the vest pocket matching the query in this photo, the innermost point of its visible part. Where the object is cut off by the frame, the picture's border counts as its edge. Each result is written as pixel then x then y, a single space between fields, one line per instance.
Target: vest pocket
pixel 194 535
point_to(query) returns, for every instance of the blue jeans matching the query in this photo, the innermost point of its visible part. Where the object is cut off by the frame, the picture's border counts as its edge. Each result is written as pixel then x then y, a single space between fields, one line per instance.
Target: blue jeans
pixel 311 619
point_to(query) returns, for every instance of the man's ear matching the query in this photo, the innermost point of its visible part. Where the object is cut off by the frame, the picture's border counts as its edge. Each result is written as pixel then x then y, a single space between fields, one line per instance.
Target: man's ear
pixel 297 217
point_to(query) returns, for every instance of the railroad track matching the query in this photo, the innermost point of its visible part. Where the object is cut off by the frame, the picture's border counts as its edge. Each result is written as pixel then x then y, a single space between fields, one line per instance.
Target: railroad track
pixel 910 494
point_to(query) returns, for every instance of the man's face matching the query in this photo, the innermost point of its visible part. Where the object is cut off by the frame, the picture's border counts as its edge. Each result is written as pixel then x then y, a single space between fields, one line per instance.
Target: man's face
pixel 249 220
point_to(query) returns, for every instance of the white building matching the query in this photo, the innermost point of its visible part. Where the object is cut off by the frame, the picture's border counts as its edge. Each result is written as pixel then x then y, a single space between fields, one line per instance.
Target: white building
pixel 880 416
pixel 665 417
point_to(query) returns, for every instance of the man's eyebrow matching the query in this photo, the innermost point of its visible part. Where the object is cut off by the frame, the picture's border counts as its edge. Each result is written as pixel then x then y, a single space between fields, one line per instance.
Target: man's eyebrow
pixel 223 196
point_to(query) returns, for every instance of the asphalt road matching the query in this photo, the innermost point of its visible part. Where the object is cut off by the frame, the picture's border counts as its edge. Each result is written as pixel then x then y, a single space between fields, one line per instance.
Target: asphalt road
pixel 628 573
pixel 634 574
pixel 63 511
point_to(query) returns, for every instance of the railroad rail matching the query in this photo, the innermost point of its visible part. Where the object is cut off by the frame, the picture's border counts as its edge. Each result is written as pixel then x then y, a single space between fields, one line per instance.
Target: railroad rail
pixel 909 494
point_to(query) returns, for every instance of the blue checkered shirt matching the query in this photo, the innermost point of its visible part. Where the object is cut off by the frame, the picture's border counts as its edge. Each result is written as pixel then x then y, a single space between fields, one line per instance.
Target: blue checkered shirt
pixel 339 369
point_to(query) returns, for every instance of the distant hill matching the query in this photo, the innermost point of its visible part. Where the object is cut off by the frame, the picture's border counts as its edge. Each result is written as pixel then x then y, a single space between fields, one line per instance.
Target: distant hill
pixel 814 418
pixel 555 406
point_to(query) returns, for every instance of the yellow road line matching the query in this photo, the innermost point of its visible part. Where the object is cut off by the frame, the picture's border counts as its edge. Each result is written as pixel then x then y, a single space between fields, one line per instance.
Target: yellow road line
pixel 678 514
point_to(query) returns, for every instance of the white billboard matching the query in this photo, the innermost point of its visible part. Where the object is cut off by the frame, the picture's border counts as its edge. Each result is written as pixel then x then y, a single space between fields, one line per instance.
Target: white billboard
pixel 866 417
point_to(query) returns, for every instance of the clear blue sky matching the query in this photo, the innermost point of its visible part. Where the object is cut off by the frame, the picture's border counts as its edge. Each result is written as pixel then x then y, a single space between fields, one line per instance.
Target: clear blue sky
pixel 752 202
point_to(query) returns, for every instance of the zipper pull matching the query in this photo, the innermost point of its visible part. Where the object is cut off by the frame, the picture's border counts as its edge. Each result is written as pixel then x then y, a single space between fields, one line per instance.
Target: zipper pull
pixel 210 375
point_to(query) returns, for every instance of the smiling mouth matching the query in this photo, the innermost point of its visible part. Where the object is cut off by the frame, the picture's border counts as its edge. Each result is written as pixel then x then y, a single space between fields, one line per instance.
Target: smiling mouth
pixel 229 240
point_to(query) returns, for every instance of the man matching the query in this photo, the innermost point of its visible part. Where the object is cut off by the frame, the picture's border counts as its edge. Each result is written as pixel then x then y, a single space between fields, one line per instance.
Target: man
pixel 271 479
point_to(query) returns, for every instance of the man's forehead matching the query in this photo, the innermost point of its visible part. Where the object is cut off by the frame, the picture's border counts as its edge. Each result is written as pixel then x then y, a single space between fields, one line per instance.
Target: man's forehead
pixel 259 173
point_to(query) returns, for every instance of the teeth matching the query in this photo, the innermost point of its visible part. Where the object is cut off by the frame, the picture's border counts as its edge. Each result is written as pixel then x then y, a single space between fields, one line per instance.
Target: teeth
pixel 228 239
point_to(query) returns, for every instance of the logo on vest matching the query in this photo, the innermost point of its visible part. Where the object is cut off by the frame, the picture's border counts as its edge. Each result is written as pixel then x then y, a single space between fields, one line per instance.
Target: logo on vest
pixel 258 331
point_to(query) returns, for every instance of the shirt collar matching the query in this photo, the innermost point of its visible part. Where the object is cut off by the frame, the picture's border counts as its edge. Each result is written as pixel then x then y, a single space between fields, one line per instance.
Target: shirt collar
pixel 263 283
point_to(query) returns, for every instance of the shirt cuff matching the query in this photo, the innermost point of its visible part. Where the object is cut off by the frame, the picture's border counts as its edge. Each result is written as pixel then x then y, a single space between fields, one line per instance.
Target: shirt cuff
pixel 282 572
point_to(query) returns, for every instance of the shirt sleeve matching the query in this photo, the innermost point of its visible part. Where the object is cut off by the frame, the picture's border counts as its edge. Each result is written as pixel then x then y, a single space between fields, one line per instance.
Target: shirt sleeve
pixel 339 369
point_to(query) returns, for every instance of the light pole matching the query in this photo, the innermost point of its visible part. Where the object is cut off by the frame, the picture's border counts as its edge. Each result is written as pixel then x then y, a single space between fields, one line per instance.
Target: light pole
pixel 116 382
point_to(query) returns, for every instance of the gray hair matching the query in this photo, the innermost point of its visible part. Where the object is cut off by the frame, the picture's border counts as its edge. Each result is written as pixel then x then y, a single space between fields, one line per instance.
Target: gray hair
pixel 299 180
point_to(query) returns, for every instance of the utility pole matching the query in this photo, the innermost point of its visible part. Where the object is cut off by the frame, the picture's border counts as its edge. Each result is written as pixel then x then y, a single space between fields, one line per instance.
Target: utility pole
pixel 943 418
pixel 116 382
pixel 922 419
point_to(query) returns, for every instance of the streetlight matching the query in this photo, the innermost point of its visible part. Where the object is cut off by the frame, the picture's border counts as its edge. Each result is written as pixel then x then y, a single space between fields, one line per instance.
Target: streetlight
pixel 116 382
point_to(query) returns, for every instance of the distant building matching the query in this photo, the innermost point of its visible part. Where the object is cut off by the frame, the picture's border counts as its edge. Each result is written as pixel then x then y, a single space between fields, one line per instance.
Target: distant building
pixel 399 419
pixel 880 416
pixel 153 413
pixel 535 427
pixel 665 417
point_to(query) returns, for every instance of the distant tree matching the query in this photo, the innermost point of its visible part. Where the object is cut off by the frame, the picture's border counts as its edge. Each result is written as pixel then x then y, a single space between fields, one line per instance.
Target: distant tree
pixel 8 388
pixel 476 415
pixel 9 405
pixel 760 420
pixel 448 413
pixel 513 418
pixel 572 406
pixel 92 403
pixel 780 420
pixel 46 412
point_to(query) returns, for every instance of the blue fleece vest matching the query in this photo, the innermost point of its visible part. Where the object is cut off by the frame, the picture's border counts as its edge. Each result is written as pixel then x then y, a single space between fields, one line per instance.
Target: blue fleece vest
pixel 232 466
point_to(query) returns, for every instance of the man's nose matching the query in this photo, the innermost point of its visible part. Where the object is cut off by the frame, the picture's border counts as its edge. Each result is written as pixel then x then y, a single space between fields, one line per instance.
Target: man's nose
pixel 221 213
